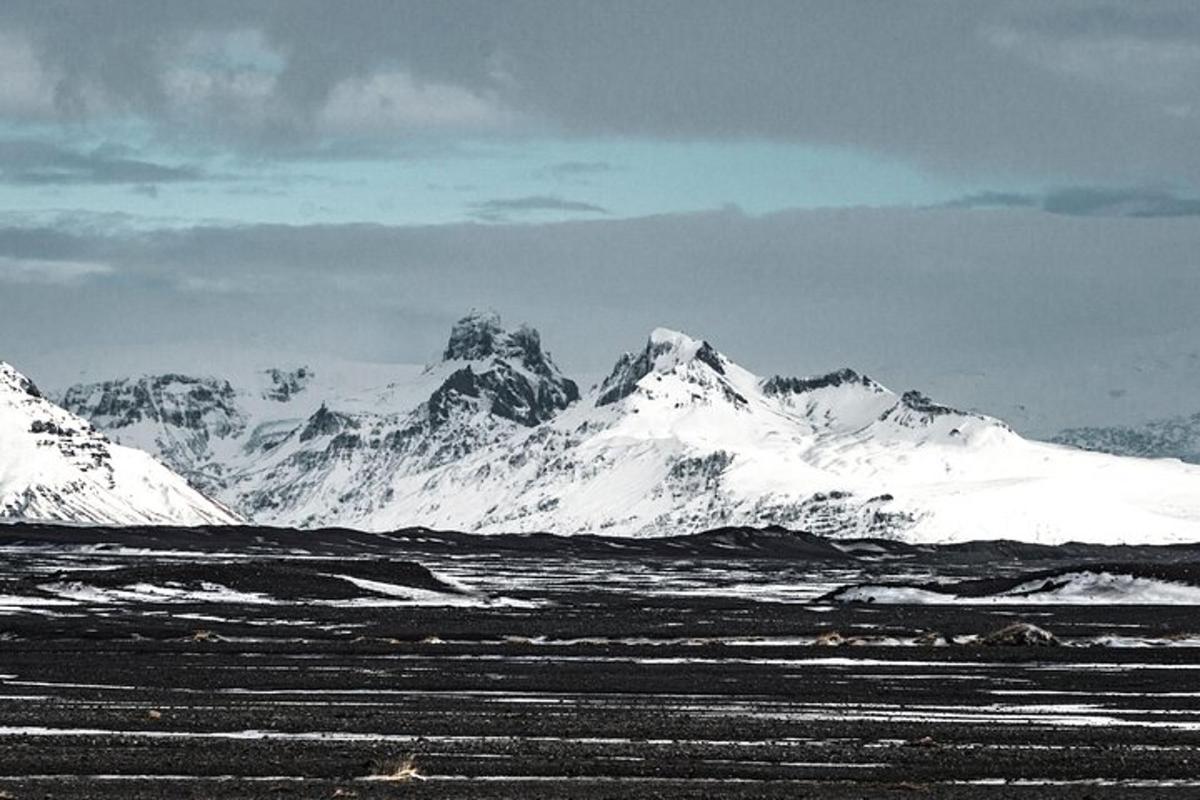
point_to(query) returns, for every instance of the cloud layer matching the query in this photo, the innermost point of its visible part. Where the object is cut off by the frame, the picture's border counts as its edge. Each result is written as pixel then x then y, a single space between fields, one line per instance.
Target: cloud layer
pixel 1077 90
pixel 906 291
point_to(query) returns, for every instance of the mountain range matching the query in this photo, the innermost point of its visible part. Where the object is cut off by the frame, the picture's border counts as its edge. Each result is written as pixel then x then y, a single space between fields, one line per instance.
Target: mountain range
pixel 677 438
pixel 1173 437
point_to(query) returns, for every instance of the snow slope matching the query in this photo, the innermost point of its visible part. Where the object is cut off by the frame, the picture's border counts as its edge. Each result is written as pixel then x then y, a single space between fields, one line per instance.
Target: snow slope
pixel 56 466
pixel 676 439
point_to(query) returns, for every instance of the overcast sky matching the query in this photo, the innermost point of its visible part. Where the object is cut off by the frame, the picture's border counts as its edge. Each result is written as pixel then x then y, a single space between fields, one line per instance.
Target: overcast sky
pixel 999 201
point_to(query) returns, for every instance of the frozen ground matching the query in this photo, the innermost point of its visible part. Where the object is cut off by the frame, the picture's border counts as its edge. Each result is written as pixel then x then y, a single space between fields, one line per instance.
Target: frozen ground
pixel 258 663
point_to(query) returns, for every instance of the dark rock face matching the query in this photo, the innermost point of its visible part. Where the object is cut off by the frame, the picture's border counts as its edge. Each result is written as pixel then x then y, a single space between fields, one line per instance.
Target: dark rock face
pixel 520 383
pixel 189 413
pixel 505 392
pixel 921 403
pixel 199 404
pixel 473 337
pixel 623 379
pixel 707 355
pixel 779 384
pixel 698 473
pixel 286 384
pixel 324 422
pixel 28 387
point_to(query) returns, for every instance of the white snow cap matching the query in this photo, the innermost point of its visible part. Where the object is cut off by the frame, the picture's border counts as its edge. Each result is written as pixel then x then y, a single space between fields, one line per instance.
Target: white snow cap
pixel 669 348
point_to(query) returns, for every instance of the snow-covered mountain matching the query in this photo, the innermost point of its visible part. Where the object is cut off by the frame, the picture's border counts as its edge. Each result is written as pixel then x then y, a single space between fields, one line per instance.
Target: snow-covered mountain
pixel 677 438
pixel 56 466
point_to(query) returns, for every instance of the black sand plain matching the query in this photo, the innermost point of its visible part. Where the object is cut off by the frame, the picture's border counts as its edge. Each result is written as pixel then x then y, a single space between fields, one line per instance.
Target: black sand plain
pixel 259 663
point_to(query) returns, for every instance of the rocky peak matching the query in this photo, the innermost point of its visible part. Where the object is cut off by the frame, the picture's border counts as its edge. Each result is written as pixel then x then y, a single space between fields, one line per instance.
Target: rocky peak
pixel 665 351
pixel 476 336
pixel 668 349
pixel 480 336
pixel 519 382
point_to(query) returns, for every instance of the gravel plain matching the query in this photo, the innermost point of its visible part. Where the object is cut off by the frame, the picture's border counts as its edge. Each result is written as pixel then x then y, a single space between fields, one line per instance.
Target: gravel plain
pixel 263 664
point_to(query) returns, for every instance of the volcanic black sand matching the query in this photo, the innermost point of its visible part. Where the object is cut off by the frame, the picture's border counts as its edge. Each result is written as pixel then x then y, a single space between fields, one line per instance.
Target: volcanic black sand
pixel 259 663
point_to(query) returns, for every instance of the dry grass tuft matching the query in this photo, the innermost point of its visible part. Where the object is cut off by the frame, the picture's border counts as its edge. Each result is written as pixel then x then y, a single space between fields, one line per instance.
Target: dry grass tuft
pixel 399 770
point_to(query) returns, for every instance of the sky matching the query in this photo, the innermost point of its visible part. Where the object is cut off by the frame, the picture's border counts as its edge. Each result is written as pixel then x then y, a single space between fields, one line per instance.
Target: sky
pixel 997 202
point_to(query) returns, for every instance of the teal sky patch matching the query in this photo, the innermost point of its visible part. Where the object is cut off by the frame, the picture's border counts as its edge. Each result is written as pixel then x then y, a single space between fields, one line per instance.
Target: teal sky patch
pixel 493 181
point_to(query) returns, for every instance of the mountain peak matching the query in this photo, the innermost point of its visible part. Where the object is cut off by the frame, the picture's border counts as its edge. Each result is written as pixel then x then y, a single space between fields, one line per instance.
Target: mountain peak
pixel 480 335
pixel 668 349
pixel 665 350
pixel 673 338
pixel 475 336
pixel 521 382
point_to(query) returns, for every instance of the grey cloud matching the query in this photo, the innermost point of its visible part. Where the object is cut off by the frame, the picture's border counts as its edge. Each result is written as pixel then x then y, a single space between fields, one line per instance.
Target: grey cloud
pixel 898 292
pixel 41 163
pixel 994 200
pixel 1089 201
pixel 1129 202
pixel 43 271
pixel 580 167
pixel 1073 88
pixel 503 208
pixel 577 171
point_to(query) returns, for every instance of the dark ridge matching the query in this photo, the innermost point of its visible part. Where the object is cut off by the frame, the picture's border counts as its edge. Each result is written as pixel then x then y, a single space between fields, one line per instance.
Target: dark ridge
pixel 997 557
pixel 707 355
pixel 128 402
pixel 324 422
pixel 1178 572
pixel 1176 437
pixel 283 580
pixel 921 403
pixel 779 384
pixel 623 379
